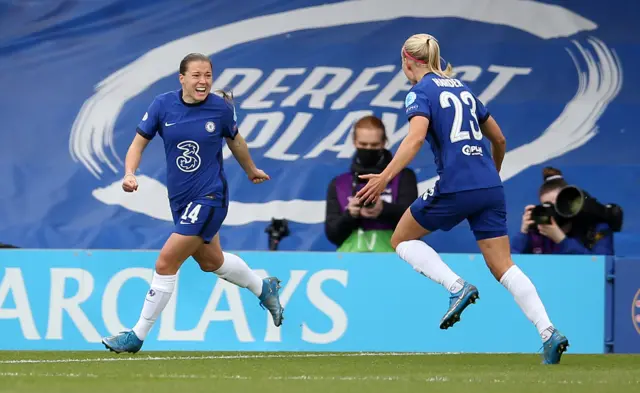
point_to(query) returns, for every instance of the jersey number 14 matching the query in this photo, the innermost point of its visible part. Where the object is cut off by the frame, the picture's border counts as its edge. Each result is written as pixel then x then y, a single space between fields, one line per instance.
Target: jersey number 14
pixel 190 215
pixel 447 99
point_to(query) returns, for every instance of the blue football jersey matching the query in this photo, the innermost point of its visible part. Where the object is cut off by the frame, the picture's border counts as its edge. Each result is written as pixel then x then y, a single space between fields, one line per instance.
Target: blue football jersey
pixel 192 135
pixel 462 154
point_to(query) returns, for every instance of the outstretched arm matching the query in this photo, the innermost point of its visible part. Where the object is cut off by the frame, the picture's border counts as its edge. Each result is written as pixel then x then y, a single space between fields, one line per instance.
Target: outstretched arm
pixel 409 147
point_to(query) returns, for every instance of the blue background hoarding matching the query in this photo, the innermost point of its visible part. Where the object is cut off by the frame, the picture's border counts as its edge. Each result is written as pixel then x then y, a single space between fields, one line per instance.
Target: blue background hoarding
pixel 625 305
pixel 62 300
pixel 558 76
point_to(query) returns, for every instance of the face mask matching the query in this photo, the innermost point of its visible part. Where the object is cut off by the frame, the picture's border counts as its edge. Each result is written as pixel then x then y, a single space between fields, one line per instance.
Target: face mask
pixel 368 158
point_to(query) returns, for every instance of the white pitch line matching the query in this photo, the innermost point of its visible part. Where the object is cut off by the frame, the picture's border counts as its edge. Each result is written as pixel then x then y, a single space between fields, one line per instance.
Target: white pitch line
pixel 222 357
pixel 63 375
pixel 233 377
pixel 437 379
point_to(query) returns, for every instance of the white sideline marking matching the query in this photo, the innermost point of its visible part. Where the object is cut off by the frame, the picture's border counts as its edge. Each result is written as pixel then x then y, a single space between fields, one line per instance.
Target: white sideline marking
pixel 225 357
pixel 232 377
pixel 64 375
pixel 436 378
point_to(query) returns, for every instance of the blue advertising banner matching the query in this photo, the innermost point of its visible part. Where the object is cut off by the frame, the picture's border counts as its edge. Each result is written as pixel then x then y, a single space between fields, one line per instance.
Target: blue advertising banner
pixel 558 76
pixel 68 300
pixel 626 305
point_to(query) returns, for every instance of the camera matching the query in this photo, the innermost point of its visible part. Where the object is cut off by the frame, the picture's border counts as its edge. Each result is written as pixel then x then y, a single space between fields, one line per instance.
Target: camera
pixel 541 214
pixel 578 206
pixel 368 205
pixel 278 229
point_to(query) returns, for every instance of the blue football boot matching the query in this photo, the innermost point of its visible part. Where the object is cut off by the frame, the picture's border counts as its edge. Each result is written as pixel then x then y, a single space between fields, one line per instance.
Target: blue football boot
pixel 123 342
pixel 270 299
pixel 554 347
pixel 457 303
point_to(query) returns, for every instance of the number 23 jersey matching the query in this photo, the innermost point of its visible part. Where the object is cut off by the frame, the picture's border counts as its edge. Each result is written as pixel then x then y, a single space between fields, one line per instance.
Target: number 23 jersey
pixel 461 154
pixel 192 135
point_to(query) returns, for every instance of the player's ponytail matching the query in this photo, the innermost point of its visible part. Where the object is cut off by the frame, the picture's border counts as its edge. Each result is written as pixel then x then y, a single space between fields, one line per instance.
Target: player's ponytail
pixel 435 61
pixel 227 95
pixel 424 50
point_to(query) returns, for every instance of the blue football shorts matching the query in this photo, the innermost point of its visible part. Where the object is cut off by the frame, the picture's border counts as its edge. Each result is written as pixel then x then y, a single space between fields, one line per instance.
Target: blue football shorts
pixel 484 209
pixel 197 219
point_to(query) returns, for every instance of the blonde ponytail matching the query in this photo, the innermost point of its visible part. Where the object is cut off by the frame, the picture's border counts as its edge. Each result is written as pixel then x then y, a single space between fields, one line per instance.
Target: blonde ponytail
pixel 424 50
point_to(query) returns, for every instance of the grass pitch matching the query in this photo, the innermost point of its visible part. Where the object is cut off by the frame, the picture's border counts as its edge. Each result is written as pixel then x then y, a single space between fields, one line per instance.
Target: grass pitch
pixel 186 372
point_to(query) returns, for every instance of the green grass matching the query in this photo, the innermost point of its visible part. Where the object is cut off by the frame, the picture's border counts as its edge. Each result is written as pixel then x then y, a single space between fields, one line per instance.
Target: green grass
pixel 184 372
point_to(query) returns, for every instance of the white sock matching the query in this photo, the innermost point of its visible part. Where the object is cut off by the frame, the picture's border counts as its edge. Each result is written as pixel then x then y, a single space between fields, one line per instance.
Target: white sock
pixel 426 261
pixel 527 298
pixel 156 300
pixel 236 271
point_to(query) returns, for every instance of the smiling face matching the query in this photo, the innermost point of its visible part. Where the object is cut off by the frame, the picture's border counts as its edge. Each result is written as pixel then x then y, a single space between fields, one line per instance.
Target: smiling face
pixel 196 81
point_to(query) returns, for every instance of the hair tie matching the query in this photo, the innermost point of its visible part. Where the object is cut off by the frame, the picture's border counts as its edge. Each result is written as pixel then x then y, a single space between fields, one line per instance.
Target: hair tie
pixel 554 177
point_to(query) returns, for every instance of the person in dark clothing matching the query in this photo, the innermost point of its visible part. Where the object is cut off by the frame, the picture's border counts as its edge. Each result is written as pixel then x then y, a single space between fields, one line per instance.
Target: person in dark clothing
pixel 559 237
pixel 356 228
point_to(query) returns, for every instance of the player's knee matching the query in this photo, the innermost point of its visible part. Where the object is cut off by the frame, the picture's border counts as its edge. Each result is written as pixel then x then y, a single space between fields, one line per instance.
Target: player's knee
pixel 209 266
pixel 166 266
pixel 209 263
pixel 501 269
pixel 395 241
pixel 169 260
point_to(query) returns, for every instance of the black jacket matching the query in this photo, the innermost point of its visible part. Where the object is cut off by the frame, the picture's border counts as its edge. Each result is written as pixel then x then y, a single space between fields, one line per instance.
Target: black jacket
pixel 339 224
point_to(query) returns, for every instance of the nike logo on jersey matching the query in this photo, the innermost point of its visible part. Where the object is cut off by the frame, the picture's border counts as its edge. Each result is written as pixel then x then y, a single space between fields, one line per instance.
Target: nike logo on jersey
pixel 184 222
pixel 169 124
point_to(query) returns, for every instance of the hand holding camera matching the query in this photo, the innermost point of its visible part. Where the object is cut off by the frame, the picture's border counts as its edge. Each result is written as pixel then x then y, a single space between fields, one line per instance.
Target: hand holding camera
pixel 538 218
pixel 354 207
pixel 527 221
pixel 552 231
pixel 574 206
pixel 372 210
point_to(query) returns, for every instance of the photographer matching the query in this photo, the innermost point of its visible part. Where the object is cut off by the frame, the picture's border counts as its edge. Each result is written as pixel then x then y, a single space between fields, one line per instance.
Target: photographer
pixel 545 231
pixel 356 228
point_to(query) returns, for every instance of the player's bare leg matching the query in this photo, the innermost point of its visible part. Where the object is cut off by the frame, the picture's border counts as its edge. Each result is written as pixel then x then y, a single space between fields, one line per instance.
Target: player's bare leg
pixel 497 254
pixel 235 270
pixel 426 261
pixel 173 254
